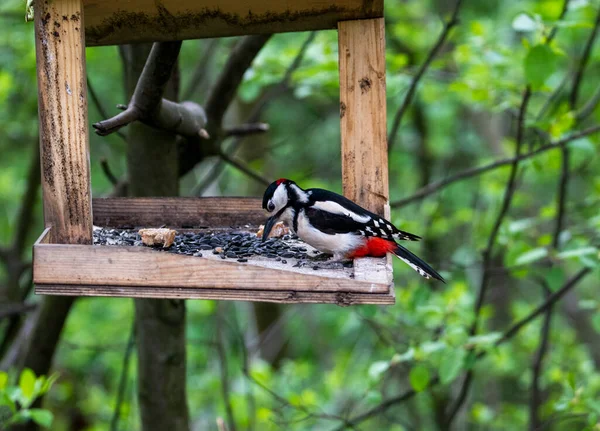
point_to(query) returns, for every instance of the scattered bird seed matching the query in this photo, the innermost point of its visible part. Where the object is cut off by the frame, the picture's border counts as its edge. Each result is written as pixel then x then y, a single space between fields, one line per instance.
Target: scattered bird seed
pixel 233 244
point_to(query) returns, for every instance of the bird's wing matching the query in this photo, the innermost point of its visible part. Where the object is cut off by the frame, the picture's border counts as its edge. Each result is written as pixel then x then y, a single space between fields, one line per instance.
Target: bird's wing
pixel 369 223
pixel 331 222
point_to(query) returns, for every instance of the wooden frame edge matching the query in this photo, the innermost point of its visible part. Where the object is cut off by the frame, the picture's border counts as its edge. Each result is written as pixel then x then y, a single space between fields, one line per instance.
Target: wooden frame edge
pixel 277 296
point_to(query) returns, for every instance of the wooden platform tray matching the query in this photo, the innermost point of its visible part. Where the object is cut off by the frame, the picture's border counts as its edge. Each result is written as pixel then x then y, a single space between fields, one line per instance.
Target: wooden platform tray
pixel 112 22
pixel 128 271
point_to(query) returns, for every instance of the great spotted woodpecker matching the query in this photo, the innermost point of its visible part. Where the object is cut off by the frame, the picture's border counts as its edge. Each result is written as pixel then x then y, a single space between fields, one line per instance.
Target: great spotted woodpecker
pixel 335 225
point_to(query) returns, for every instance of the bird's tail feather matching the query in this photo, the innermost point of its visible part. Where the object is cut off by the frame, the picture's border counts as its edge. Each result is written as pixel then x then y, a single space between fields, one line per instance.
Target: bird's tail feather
pixel 417 263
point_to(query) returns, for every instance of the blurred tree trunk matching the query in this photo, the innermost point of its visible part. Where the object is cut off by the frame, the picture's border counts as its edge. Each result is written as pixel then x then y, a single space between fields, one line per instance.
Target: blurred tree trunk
pixel 160 324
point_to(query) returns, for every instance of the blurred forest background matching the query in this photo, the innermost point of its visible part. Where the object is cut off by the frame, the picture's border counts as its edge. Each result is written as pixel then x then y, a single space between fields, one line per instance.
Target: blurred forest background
pixel 510 342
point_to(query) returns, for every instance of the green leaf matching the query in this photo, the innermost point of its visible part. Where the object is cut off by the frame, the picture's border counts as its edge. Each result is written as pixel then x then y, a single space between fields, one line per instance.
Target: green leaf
pixel 532 256
pixel 485 339
pixel 42 417
pixel 409 355
pixel 27 384
pixel 48 383
pixel 5 400
pixel 555 277
pixel 3 380
pixel 578 252
pixel 452 363
pixel 377 368
pixel 525 23
pixel 21 417
pixel 540 62
pixel 596 322
pixel 419 377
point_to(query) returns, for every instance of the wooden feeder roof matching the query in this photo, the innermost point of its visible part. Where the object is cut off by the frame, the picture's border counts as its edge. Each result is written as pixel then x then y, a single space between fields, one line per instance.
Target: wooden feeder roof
pixel 109 22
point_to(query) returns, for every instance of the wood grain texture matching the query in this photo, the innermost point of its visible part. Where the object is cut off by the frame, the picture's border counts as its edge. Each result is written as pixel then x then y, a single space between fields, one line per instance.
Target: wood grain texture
pixel 178 212
pixel 283 296
pixel 141 267
pixel 363 112
pixel 113 22
pixel 62 107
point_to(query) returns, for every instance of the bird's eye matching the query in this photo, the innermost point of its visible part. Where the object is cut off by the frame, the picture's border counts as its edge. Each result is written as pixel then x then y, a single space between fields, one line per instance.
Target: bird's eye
pixel 270 206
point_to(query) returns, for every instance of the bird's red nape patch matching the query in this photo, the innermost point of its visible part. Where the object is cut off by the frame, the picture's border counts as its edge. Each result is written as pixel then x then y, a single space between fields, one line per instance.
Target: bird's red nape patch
pixel 280 180
pixel 374 247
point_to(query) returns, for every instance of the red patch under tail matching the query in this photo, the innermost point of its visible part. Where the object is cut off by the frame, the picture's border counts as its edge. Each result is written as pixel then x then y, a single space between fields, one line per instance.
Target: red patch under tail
pixel 374 247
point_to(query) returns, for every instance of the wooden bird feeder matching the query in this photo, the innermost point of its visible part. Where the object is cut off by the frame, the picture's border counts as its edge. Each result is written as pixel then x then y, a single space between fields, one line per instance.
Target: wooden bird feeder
pixel 65 261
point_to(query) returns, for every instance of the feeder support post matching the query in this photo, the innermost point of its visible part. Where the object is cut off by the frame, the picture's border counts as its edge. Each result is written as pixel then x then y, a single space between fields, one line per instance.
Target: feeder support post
pixel 363 112
pixel 63 119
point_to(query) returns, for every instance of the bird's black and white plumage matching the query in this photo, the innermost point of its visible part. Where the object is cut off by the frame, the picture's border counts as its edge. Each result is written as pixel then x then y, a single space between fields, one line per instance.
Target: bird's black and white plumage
pixel 335 225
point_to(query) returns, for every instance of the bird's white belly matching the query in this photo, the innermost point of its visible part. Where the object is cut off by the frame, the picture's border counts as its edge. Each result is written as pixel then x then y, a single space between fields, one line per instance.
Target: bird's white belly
pixel 338 244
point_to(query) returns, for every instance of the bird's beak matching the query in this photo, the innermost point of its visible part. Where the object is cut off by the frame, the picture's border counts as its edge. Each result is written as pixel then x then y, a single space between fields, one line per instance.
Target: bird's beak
pixel 268 226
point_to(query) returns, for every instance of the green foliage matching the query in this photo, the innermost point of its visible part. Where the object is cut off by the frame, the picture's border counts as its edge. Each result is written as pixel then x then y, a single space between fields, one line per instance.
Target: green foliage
pixel 16 399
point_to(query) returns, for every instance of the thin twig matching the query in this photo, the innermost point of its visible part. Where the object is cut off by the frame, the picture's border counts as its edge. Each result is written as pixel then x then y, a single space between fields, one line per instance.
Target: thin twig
pixel 255 114
pixel 537 366
pixel 108 172
pixel 244 168
pixel 114 423
pixel 453 21
pixel 201 69
pixel 147 104
pixel 469 173
pixel 27 207
pixel 224 90
pixel 554 30
pixel 577 80
pixel 96 100
pixel 549 302
pixel 488 252
pixel 10 310
pixel 589 107
pixel 122 119
pixel 246 129
pixel 224 371
pixel 508 334
pixel 250 400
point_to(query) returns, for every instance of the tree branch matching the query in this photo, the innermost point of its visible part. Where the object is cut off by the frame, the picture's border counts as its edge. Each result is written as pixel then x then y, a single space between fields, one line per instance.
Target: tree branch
pixel 536 396
pixel 255 114
pixel 583 62
pixel 108 172
pixel 190 153
pixel 246 129
pixel 227 85
pixel 469 173
pixel 224 371
pixel 147 105
pixel 453 21
pixel 487 253
pixel 244 168
pixel 201 69
pixel 563 12
pixel 10 310
pixel 96 100
pixel 25 214
pixel 114 423
pixel 587 109
pixel 508 334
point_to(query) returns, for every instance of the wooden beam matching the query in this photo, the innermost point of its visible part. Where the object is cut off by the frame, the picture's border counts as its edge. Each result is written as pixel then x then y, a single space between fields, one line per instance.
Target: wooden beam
pixel 284 296
pixel 112 22
pixel 363 112
pixel 178 212
pixel 141 267
pixel 62 107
